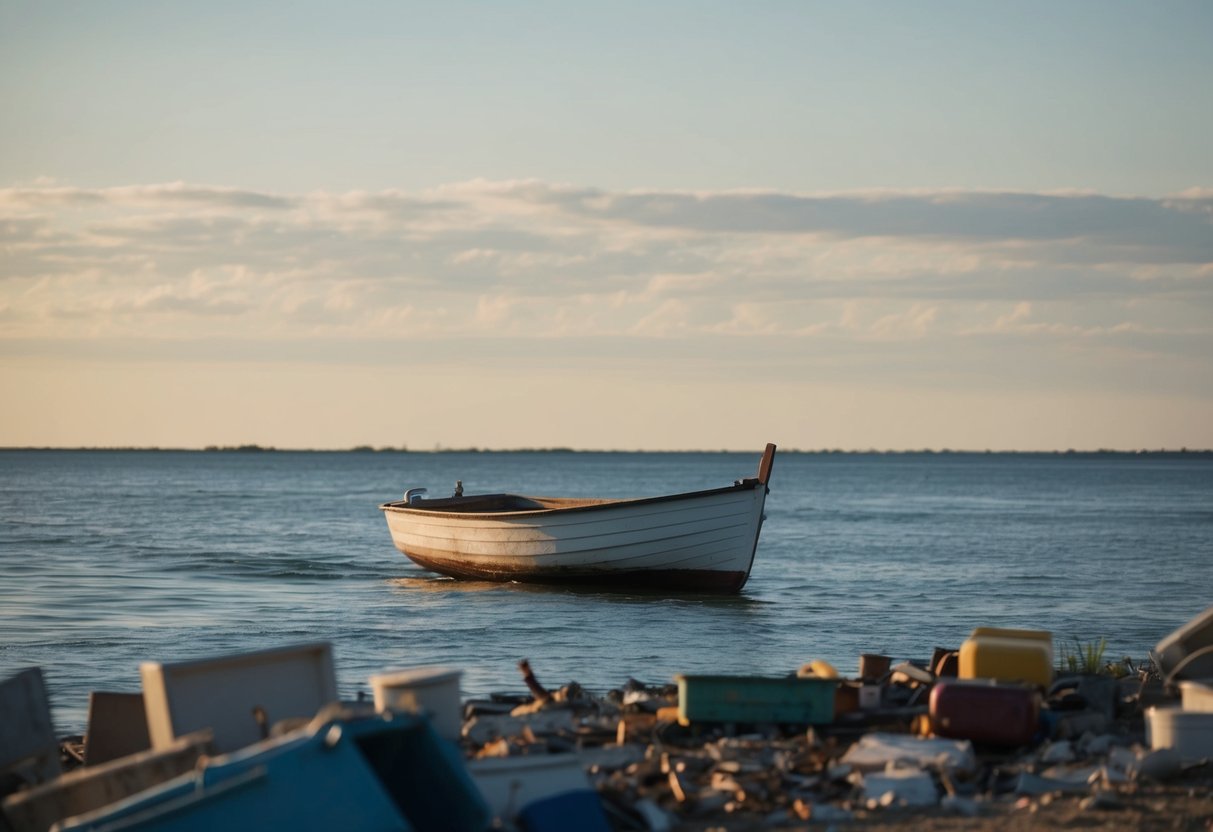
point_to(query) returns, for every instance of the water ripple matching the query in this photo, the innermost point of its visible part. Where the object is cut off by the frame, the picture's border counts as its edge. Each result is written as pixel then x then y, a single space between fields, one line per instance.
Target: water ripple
pixel 178 556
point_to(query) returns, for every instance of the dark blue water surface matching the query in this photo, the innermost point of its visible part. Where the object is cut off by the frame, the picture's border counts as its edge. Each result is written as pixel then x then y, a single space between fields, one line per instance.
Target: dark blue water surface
pixel 109 559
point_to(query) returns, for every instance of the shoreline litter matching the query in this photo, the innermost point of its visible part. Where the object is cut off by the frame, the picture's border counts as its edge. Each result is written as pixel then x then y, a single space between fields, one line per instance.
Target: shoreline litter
pixel 991 734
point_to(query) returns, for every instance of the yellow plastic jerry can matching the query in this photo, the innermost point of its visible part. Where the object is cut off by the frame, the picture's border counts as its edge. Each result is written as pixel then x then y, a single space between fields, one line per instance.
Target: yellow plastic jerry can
pixel 1008 655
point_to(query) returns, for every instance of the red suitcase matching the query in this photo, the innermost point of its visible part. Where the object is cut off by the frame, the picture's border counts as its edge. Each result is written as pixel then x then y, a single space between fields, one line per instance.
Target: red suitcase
pixel 983 712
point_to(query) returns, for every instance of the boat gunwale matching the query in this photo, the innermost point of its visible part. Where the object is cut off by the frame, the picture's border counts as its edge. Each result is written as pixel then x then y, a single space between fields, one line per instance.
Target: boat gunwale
pixel 400 506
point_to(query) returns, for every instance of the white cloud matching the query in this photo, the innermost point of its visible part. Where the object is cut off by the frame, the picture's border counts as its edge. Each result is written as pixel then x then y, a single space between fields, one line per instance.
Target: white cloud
pixel 914 322
pixel 1015 317
pixel 533 260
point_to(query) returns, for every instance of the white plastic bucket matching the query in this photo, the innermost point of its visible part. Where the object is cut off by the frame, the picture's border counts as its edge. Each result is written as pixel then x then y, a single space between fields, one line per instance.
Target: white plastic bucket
pixel 433 691
pixel 1190 733
pixel 1197 696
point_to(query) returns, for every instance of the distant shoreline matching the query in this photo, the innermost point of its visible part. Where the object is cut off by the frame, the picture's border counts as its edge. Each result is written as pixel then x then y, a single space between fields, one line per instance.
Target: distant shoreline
pixel 366 449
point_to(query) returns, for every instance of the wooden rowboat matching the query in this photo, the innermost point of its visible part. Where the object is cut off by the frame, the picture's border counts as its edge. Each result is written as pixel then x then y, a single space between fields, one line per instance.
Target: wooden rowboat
pixel 696 541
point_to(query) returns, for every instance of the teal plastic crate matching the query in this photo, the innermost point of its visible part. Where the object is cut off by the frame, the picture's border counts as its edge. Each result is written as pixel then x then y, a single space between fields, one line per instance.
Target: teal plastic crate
pixel 755 699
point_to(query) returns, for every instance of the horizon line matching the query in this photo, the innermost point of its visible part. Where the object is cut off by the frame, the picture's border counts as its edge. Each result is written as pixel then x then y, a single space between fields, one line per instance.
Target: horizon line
pixel 368 449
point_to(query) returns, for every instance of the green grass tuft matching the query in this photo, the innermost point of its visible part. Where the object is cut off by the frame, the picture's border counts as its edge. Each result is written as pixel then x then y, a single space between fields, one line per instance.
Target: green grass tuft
pixel 1084 657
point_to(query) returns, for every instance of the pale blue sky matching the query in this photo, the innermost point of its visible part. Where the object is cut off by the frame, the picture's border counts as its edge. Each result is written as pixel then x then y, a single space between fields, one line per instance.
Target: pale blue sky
pixel 1111 96
pixel 895 225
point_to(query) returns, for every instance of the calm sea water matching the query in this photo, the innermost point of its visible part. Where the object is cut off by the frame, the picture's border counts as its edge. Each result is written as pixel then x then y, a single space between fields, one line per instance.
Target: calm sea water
pixel 109 559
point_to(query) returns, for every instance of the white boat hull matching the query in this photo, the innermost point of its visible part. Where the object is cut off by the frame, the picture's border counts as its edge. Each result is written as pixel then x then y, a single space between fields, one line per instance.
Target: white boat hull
pixel 702 541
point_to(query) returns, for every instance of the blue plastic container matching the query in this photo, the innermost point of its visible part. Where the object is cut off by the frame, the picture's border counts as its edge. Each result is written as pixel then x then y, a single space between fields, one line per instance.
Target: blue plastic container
pixel 580 810
pixel 353 772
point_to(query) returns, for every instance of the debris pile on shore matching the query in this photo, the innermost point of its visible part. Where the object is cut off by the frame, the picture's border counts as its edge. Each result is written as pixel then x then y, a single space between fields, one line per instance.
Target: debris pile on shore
pixel 972 737
pixel 654 771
